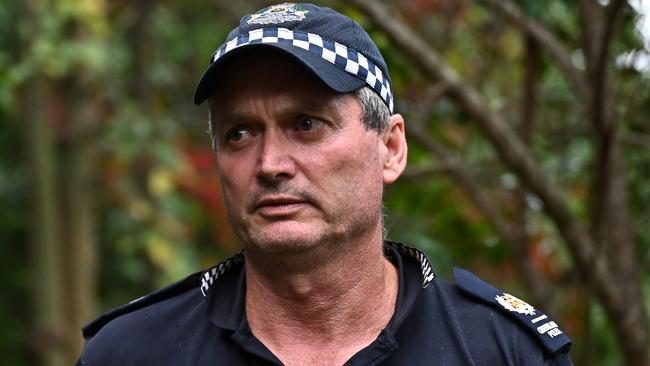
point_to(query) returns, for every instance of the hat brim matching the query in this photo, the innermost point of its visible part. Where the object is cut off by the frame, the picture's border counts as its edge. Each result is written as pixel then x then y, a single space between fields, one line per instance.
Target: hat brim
pixel 333 76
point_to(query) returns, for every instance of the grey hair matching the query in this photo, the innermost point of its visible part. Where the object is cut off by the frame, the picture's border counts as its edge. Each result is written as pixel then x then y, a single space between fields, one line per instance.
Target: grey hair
pixel 374 112
pixel 211 130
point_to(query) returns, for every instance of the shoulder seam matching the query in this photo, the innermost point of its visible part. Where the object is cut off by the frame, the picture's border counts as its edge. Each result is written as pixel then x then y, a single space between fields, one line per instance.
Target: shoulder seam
pixel 188 283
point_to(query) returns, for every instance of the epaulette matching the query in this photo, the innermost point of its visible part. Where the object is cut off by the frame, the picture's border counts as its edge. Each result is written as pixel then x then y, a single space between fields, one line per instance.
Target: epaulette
pixel 545 330
pixel 192 281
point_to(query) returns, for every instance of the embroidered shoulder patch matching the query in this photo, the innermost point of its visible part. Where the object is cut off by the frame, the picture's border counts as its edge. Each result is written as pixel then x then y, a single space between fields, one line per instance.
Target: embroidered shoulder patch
pixel 514 304
pixel 546 331
pixel 276 14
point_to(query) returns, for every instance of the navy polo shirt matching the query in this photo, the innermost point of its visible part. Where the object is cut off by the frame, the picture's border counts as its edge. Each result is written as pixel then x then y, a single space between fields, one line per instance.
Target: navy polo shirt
pixel 201 321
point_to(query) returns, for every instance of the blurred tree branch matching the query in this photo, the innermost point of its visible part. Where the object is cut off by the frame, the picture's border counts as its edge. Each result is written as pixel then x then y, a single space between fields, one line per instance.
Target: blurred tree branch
pixel 425 170
pixel 636 139
pixel 560 54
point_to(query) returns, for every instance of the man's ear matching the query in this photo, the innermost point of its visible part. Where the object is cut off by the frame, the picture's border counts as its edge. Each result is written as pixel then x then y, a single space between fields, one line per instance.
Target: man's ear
pixel 394 141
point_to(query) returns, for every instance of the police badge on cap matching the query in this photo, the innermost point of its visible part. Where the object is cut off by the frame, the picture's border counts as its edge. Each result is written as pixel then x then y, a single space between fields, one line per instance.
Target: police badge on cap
pixel 276 14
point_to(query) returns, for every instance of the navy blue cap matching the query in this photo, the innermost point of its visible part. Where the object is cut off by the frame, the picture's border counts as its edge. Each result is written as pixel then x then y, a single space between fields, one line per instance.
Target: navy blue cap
pixel 331 45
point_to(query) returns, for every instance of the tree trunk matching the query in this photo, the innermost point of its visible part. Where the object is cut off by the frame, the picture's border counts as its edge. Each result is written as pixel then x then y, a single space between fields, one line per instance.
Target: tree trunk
pixel 48 339
pixel 538 285
pixel 78 262
pixel 611 225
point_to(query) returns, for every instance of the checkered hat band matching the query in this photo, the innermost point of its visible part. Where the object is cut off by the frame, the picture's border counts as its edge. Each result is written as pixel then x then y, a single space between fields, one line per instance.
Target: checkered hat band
pixel 346 59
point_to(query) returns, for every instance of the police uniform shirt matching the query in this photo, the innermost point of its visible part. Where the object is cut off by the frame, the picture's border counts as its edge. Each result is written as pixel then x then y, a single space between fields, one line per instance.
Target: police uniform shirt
pixel 201 321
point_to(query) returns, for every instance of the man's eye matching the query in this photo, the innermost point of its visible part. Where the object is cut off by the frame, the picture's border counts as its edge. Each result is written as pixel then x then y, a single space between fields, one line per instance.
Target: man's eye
pixel 236 134
pixel 308 124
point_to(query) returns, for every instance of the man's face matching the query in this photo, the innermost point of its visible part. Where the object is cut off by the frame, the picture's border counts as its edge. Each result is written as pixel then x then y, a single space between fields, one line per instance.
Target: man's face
pixel 297 166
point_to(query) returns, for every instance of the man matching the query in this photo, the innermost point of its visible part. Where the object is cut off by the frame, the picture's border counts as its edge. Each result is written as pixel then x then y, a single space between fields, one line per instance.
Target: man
pixel 302 123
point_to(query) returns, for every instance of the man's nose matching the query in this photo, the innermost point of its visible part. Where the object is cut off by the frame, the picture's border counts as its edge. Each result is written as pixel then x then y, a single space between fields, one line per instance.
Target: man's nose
pixel 275 161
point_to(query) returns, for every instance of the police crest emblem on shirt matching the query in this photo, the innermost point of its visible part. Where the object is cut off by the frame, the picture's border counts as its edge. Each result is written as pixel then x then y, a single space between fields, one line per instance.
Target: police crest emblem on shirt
pixel 276 14
pixel 512 303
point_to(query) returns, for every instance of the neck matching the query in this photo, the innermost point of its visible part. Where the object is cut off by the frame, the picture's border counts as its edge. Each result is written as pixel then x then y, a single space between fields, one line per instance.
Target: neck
pixel 339 299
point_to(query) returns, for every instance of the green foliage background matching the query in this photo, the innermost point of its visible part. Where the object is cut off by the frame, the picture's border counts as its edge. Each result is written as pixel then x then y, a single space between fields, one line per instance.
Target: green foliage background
pixel 156 220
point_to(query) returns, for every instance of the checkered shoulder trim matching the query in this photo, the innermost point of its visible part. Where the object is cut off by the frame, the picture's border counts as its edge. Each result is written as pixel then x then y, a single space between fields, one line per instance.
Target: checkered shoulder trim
pixel 343 57
pixel 428 274
pixel 213 274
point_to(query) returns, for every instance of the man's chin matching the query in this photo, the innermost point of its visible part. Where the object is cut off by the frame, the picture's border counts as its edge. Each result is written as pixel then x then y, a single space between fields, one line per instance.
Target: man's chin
pixel 258 233
pixel 283 243
pixel 285 240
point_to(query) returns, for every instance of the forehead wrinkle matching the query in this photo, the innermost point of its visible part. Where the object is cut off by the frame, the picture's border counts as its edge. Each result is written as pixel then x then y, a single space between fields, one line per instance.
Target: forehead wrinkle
pixel 285 104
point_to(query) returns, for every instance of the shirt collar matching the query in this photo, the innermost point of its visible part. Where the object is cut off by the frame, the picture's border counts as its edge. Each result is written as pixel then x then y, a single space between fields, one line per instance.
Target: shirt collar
pixel 414 273
pixel 224 289
pixel 224 285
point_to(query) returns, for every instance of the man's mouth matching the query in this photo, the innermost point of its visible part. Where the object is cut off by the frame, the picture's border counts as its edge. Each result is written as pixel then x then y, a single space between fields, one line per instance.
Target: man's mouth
pixel 279 206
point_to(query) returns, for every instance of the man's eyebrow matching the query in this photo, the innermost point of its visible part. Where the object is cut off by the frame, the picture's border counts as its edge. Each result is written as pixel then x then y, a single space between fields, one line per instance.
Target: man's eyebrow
pixel 327 107
pixel 230 118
